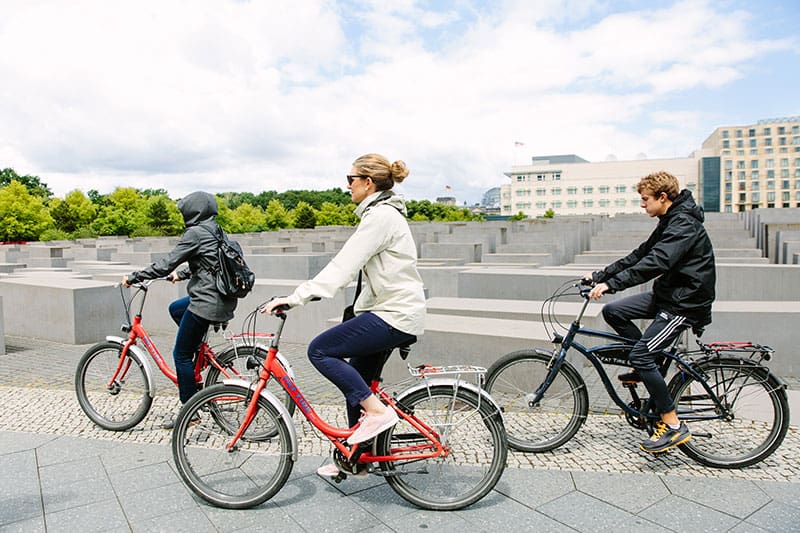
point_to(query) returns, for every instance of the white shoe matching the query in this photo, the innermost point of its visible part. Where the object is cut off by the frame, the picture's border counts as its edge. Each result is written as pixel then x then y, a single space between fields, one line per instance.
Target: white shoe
pixel 372 425
pixel 331 471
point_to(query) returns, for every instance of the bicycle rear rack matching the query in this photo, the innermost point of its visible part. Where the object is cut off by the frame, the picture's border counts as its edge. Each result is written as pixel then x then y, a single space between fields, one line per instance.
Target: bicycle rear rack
pixel 755 352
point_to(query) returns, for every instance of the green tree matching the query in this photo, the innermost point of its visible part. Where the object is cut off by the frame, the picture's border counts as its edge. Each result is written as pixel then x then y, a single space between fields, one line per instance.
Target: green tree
pixel 247 218
pixel 23 216
pixel 518 216
pixel 163 216
pixel 276 216
pixel 304 216
pixel 32 183
pixel 549 213
pixel 73 212
pixel 330 214
pixel 123 213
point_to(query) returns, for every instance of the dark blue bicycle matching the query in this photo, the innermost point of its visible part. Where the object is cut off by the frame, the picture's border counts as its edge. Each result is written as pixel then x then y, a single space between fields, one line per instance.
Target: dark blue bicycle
pixel 736 407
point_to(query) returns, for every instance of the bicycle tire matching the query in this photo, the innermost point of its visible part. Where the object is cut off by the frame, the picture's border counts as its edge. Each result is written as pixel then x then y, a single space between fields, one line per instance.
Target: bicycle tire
pixel 556 418
pixel 121 405
pixel 758 406
pixel 241 478
pixel 236 359
pixel 457 480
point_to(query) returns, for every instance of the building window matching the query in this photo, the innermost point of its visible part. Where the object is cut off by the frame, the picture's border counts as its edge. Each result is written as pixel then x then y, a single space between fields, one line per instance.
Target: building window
pixel 751 132
pixel 754 186
pixel 541 192
pixel 726 144
pixel 742 175
pixel 753 143
pixel 785 184
pixel 785 173
pixel 785 196
pixel 767 131
pixel 588 203
pixel 738 133
pixel 754 175
pixel 769 163
pixel 557 176
pixel 782 141
pixel 556 204
pixel 541 205
pixel 572 190
pixel 725 134
pixel 728 164
pixel 770 196
pixel 572 203
pixel 784 162
pixel 739 143
pixel 620 202
pixel 728 175
pixel 602 189
pixel 588 189
pixel 797 162
pixel 520 179
pixel 740 164
pixel 771 185
pixel 742 186
pixel 754 163
pixel 620 189
pixel 770 174
pixel 603 202
pixel 555 191
pixel 755 197
pixel 729 186
pixel 768 141
pixel 795 129
pixel 540 177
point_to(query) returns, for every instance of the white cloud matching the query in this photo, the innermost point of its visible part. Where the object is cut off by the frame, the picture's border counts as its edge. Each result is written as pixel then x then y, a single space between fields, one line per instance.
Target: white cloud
pixel 266 95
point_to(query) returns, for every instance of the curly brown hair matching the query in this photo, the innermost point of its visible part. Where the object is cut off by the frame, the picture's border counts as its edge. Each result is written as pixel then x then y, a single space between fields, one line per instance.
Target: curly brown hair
pixel 659 182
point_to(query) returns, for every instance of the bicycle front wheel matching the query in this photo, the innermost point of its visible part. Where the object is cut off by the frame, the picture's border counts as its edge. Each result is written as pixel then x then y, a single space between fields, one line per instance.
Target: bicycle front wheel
pixel 117 404
pixel 252 471
pixel 472 431
pixel 512 381
pixel 756 417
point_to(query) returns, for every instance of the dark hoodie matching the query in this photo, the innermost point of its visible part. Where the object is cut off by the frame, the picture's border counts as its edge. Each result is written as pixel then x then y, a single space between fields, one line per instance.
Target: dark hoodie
pixel 198 248
pixel 679 255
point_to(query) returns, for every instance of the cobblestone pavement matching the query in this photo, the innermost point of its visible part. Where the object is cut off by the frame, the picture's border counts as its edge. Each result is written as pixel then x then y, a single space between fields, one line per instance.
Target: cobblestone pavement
pixel 37 392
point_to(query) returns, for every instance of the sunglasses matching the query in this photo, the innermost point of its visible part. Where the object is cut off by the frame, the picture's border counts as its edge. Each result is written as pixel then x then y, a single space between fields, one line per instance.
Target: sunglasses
pixel 351 177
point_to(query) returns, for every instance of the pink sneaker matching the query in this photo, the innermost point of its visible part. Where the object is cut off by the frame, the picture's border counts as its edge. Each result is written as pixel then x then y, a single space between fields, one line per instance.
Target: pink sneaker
pixel 331 471
pixel 372 425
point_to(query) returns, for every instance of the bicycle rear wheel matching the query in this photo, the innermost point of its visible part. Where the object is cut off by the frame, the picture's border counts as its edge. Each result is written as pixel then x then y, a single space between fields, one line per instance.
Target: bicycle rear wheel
pixel 512 381
pixel 758 413
pixel 470 428
pixel 240 478
pixel 234 361
pixel 114 405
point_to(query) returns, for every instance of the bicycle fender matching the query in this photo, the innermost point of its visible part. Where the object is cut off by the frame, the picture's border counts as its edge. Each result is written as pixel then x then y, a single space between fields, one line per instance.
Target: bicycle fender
pixel 138 353
pixel 276 403
pixel 453 383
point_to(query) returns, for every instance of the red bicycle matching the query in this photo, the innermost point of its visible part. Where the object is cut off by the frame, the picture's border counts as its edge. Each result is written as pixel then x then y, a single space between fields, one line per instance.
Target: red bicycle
pixel 115 383
pixel 447 452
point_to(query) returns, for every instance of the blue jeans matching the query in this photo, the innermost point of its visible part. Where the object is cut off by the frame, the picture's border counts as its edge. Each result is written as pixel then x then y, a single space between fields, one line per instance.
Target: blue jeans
pixel 660 334
pixel 365 339
pixel 191 330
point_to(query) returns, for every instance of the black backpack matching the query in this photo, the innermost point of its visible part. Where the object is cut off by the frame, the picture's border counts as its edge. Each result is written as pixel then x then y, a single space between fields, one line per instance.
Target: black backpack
pixel 233 276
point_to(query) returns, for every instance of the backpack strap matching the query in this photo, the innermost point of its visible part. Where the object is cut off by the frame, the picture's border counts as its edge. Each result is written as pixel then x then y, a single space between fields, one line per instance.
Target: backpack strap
pixel 213 268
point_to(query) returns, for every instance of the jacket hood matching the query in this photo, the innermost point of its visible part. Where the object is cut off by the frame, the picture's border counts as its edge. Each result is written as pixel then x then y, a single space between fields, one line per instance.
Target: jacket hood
pixel 388 197
pixel 685 203
pixel 197 207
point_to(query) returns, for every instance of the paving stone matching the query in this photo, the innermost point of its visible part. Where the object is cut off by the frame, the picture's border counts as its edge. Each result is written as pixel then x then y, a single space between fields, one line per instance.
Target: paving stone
pixel 157 502
pixel 776 516
pixel 184 521
pixel 21 499
pixel 31 525
pixel 631 492
pixel 725 495
pixel 98 516
pixel 584 513
pixel 680 514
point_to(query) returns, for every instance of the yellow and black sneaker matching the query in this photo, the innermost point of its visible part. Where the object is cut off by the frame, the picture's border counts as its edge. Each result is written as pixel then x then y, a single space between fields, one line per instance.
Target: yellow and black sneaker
pixel 665 438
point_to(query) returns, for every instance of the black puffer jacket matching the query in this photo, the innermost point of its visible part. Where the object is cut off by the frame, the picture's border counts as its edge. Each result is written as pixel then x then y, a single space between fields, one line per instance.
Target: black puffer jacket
pixel 198 247
pixel 679 254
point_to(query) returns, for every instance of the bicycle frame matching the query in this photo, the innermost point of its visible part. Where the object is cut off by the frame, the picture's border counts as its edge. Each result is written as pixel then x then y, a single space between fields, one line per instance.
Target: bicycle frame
pixel 568 341
pixel 272 369
pixel 136 332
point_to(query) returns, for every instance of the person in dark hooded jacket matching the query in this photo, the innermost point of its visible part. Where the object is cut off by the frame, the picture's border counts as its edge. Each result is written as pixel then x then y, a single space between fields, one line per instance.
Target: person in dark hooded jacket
pixel 678 255
pixel 204 305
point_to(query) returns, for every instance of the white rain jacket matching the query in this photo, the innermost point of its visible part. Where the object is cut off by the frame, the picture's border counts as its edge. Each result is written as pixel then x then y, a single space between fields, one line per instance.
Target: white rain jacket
pixel 383 247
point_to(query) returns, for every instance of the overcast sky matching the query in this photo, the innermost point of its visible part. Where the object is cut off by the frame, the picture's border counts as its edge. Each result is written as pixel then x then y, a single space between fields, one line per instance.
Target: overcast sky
pixel 275 95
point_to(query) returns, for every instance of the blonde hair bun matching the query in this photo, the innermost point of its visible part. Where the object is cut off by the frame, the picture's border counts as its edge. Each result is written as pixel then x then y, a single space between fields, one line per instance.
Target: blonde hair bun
pixel 398 171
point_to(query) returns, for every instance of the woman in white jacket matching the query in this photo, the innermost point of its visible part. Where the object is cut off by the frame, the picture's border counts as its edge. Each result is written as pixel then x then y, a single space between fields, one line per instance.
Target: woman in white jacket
pixel 390 311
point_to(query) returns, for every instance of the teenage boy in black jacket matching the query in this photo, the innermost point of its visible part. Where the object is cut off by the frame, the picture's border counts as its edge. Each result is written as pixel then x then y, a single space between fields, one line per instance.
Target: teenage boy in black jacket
pixel 679 256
